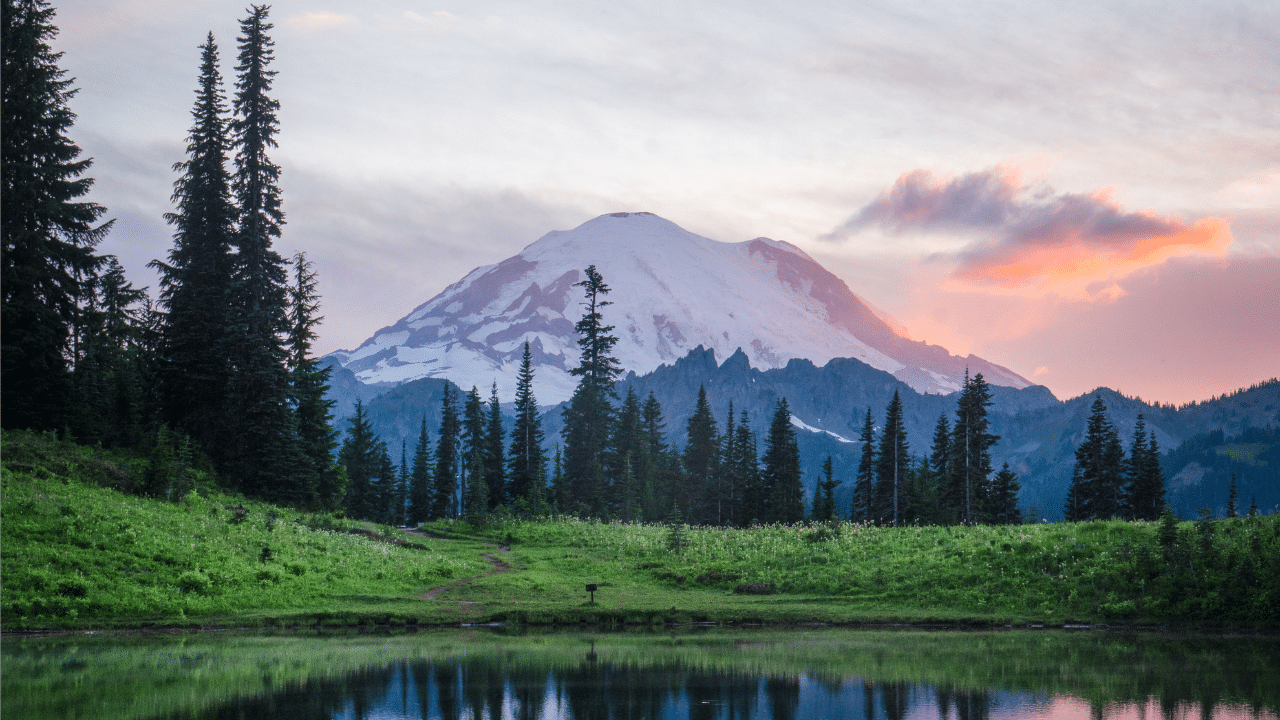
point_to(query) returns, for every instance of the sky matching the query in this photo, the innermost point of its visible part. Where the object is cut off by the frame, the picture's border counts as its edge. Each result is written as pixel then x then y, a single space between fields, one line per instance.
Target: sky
pixel 1087 193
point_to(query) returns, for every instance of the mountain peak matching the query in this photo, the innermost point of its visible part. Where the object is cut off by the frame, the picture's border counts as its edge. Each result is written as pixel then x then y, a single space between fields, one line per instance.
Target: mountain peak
pixel 671 291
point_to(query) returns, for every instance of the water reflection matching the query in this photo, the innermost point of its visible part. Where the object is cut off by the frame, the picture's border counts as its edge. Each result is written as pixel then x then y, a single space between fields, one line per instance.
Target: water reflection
pixel 600 690
pixel 731 675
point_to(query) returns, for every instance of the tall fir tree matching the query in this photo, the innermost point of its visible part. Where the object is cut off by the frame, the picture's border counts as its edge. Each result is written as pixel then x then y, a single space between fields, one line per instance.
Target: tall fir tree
pixel 781 475
pixel 1145 488
pixel 731 486
pixel 752 505
pixel 495 461
pixel 48 231
pixel 475 448
pixel 267 446
pixel 893 467
pixel 400 497
pixel 527 465
pixel 316 476
pixel 969 465
pixel 701 502
pixel 194 366
pixel 1096 490
pixel 939 465
pixel 444 493
pixel 588 419
pixel 360 458
pixel 420 479
pixel 1002 503
pixel 824 498
pixel 1233 508
pixel 112 368
pixel 628 458
pixel 862 508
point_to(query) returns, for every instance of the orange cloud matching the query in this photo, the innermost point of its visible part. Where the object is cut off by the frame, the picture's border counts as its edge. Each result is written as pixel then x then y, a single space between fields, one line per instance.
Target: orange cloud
pixel 1035 241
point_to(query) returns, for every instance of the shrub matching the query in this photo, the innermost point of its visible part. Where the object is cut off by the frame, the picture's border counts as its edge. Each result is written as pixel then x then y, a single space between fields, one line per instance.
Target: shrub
pixel 194 581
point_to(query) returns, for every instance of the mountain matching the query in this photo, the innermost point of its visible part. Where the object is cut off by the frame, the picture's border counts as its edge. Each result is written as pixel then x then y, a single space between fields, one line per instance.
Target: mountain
pixel 672 291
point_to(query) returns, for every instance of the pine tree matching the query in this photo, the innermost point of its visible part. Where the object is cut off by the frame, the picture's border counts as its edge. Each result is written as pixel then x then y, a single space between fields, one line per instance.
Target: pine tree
pixel 475 447
pixel 1144 492
pixel 701 501
pixel 527 460
pixel 893 465
pixel 969 465
pixel 1003 501
pixel 359 456
pixel 747 474
pixel 111 373
pixel 628 458
pixel 316 477
pixel 589 416
pixel 861 509
pixel 939 464
pixel 194 366
pixel 399 515
pixel 1096 490
pixel 267 428
pixel 444 502
pixel 420 479
pixel 495 462
pixel 731 487
pixel 781 476
pixel 48 234
pixel 1233 510
pixel 824 499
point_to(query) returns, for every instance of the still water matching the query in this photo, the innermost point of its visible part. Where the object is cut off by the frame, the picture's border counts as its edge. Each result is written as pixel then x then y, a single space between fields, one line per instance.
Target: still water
pixel 705 674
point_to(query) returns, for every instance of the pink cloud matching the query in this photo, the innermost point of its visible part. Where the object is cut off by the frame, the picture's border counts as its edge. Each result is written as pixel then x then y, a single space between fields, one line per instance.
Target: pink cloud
pixel 1033 241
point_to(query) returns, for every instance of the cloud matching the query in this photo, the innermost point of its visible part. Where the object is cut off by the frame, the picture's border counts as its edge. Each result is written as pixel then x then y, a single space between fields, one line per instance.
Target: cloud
pixel 1033 241
pixel 321 21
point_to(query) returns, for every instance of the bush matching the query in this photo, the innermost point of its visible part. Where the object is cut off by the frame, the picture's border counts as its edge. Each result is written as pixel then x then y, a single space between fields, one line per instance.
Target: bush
pixel 194 581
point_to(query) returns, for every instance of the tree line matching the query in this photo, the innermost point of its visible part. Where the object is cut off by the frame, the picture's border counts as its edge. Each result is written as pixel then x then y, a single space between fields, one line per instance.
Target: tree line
pixel 616 463
pixel 217 373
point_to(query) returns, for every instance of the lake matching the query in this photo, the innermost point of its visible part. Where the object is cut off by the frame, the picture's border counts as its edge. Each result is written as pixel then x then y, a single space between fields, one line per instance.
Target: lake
pixel 710 673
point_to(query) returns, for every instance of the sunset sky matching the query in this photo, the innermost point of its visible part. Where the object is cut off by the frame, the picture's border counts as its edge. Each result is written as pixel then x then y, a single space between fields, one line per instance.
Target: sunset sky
pixel 1087 193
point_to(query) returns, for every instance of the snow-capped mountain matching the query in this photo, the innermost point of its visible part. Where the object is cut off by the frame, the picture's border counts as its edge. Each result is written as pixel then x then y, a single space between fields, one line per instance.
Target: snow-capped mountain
pixel 671 291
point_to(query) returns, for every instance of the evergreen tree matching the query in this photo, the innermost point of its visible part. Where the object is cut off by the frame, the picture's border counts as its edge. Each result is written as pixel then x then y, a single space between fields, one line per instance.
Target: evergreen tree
pixel 316 476
pixel 731 487
pixel 939 465
pixel 1003 501
pixel 48 234
pixel 475 447
pixel 781 476
pixel 267 429
pixel 495 463
pixel 560 492
pixel 893 466
pixel 747 474
pixel 824 500
pixel 195 359
pixel 589 418
pixel 969 465
pixel 1253 506
pixel 1096 490
pixel 660 475
pixel 1144 492
pixel 399 515
pixel 444 502
pixel 420 480
pixel 702 502
pixel 527 460
pixel 862 507
pixel 382 499
pixel 111 360
pixel 359 455
pixel 1233 510
pixel 628 458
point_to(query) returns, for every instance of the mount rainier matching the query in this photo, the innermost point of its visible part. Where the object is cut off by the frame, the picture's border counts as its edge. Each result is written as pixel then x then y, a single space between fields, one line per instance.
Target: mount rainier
pixel 671 291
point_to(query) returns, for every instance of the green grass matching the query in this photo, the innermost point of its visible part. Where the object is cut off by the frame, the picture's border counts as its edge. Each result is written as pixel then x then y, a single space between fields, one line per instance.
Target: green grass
pixel 79 553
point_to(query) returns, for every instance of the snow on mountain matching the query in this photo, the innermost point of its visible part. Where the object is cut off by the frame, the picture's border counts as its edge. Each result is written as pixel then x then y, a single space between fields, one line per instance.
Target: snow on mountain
pixel 671 291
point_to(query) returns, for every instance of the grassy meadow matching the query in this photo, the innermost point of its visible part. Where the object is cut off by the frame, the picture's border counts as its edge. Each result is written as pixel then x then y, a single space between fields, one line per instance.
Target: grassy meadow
pixel 81 551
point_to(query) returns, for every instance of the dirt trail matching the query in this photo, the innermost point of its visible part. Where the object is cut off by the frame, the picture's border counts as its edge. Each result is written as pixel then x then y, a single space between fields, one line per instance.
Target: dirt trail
pixel 498 567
